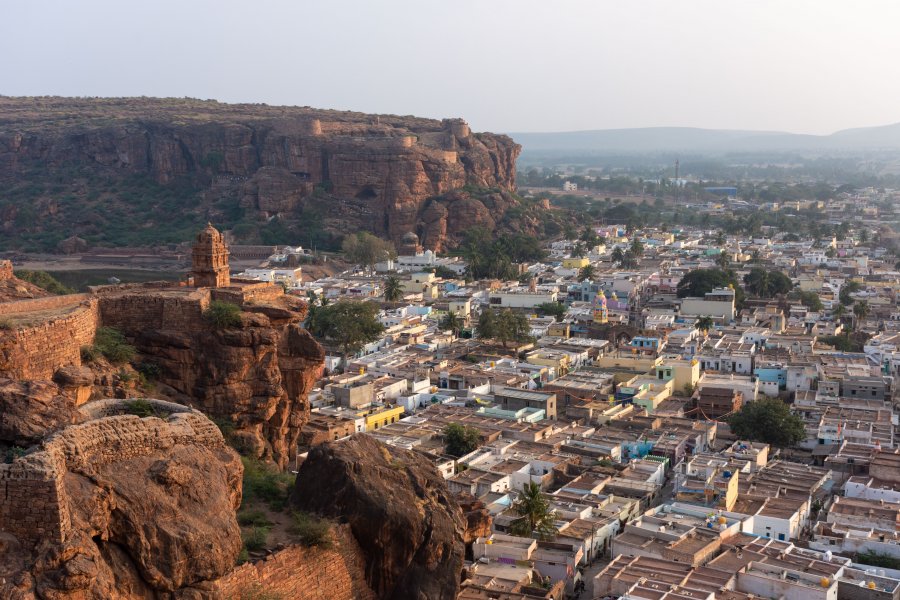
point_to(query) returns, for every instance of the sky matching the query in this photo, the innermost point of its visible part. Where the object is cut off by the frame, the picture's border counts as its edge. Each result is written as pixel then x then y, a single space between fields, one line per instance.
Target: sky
pixel 804 66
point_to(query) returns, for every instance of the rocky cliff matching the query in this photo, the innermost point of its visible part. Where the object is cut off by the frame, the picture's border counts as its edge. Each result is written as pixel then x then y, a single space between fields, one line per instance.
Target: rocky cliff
pixel 13 288
pixel 121 507
pixel 91 167
pixel 252 378
pixel 411 530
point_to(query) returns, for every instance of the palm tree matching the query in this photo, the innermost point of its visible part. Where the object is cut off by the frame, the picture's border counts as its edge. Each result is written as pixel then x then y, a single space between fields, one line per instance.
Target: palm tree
pixel 393 290
pixel 637 248
pixel 723 261
pixel 579 250
pixel 760 282
pixel 860 311
pixel 452 322
pixel 704 323
pixel 586 272
pixel 618 255
pixel 535 514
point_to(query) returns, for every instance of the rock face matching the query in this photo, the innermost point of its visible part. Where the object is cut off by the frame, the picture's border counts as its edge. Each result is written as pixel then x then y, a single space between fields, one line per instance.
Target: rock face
pixel 13 288
pixel 140 508
pixel 268 160
pixel 407 523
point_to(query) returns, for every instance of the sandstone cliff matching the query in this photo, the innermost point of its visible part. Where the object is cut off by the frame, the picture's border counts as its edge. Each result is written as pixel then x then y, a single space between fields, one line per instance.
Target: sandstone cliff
pixel 411 530
pixel 122 508
pixel 237 164
pixel 252 379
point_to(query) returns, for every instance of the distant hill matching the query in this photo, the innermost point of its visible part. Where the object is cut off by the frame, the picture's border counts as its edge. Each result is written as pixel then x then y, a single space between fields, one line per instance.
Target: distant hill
pixel 697 140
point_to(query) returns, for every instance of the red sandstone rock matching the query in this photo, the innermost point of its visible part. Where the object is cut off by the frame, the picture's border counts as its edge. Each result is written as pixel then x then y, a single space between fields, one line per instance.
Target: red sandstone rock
pixel 407 523
pixel 385 168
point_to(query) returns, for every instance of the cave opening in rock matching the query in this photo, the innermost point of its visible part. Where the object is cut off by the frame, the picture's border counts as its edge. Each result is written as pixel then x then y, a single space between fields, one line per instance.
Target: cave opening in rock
pixel 367 193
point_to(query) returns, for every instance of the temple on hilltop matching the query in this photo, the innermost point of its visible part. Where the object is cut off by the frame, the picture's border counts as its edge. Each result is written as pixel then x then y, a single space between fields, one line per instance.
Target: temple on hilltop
pixel 209 259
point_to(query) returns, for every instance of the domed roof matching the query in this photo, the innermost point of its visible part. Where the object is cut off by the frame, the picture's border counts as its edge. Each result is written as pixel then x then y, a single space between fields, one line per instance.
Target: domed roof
pixel 410 238
pixel 208 234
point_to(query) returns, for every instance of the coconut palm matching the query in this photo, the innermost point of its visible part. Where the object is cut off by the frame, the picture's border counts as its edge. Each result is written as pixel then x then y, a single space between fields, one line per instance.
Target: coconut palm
pixel 534 514
pixel 586 273
pixel 860 311
pixel 393 290
pixel 704 323
pixel 452 322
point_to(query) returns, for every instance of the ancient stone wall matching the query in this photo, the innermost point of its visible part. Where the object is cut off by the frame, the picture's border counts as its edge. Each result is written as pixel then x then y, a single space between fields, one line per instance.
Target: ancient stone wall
pixel 36 352
pixel 297 572
pixel 175 310
pixel 6 270
pixel 35 505
pixel 38 304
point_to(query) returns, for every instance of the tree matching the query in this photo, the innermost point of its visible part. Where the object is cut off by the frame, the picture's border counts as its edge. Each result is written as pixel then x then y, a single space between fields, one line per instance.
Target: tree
pixel 534 514
pixel 617 255
pixel 512 327
pixel 459 440
pixel 723 261
pixel 367 249
pixel 838 311
pixel 700 281
pixel 393 289
pixel 452 322
pixel 860 311
pixel 579 250
pixel 863 236
pixel 720 238
pixel 487 324
pixel 557 309
pixel 349 324
pixel 766 284
pixel 770 421
pixel 704 323
pixel 851 287
pixel 586 273
pixel 637 248
pixel 810 300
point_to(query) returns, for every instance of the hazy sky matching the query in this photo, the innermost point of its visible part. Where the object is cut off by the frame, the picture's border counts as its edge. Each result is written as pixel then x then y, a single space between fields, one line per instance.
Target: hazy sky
pixel 810 66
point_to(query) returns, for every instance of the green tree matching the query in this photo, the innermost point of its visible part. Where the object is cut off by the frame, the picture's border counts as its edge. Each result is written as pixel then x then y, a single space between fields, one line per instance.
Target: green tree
pixel 860 311
pixel 722 260
pixel 768 420
pixel 698 282
pixel 535 516
pixel 618 256
pixel 766 284
pixel 367 249
pixel 487 324
pixel 452 322
pixel 586 273
pixel 348 324
pixel 850 287
pixel 459 440
pixel 704 323
pixel 637 248
pixel 579 250
pixel 863 236
pixel 556 309
pixel 810 300
pixel 393 289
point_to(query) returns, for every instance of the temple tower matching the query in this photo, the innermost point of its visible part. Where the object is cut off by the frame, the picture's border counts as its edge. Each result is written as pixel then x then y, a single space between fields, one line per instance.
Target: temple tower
pixel 210 259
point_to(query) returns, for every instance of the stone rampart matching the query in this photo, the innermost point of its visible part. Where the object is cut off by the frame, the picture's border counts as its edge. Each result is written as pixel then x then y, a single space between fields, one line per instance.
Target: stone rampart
pixel 18 307
pixel 37 351
pixel 6 270
pixel 173 310
pixel 35 505
pixel 301 573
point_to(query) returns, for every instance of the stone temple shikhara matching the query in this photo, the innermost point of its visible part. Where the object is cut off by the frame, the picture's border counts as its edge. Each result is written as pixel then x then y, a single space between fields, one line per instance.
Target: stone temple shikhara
pixel 209 259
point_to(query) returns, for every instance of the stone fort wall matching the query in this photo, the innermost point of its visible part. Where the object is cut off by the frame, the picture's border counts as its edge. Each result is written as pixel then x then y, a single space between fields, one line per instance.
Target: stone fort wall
pixel 335 573
pixel 36 352
pixel 35 505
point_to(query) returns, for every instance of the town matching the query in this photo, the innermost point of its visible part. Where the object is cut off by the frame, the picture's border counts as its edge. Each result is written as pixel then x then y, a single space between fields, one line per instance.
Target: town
pixel 665 412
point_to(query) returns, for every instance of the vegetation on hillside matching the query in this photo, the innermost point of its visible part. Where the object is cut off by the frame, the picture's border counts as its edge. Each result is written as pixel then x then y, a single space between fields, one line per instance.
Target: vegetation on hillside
pixel 45 281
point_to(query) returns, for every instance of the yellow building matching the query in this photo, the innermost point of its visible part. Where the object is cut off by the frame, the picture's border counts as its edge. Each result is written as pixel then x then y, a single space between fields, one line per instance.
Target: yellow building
pixel 379 417
pixel 575 263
